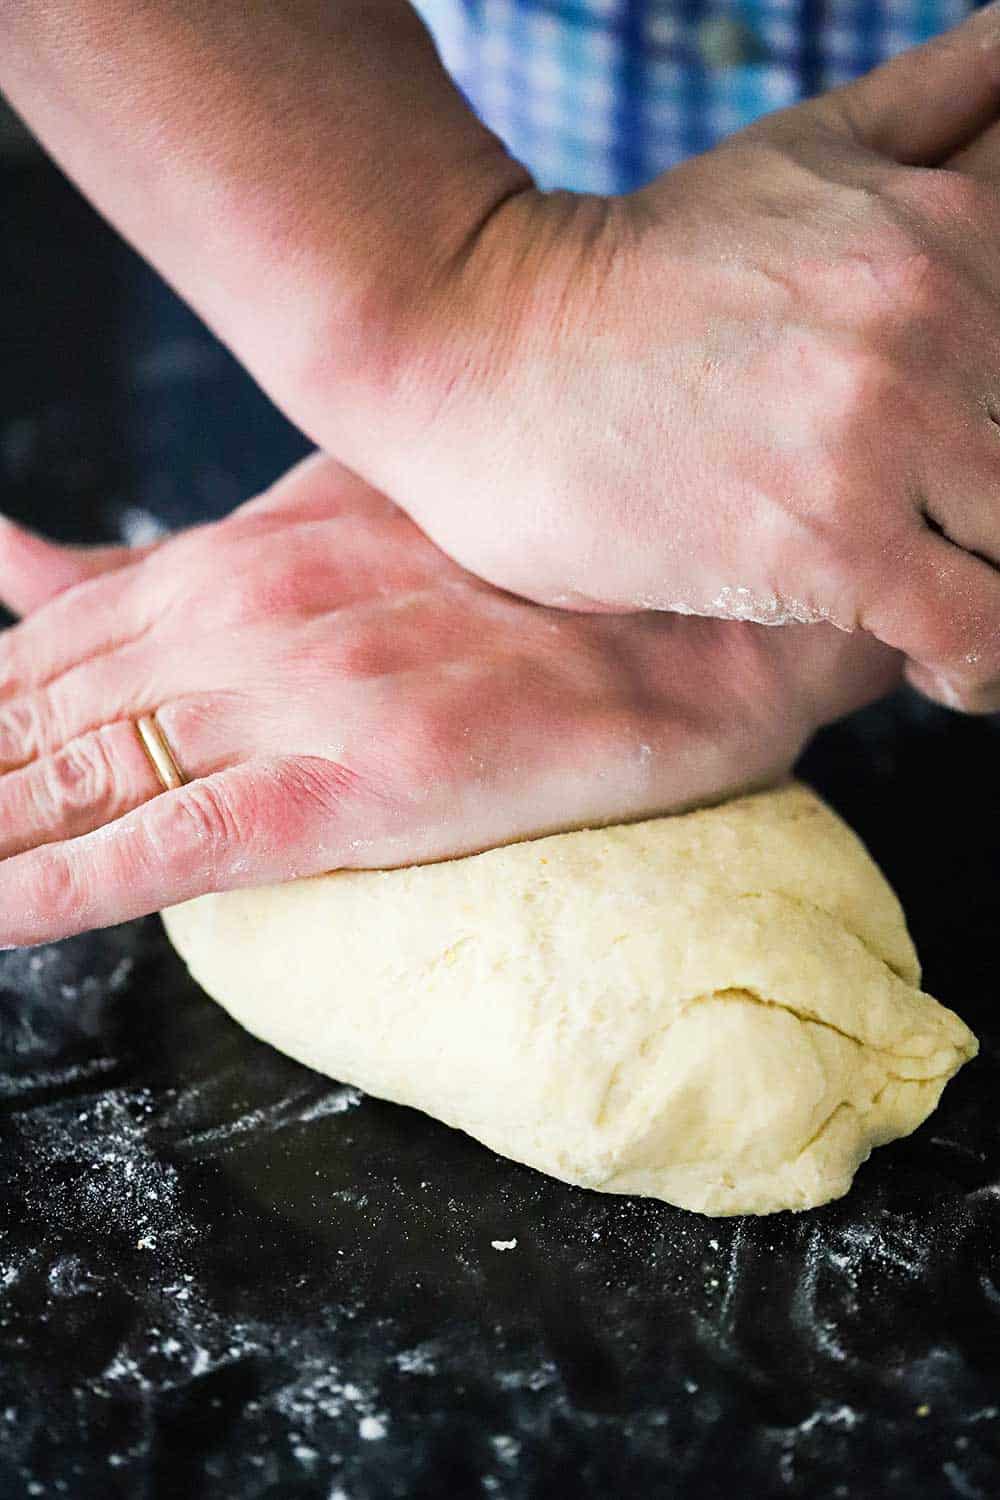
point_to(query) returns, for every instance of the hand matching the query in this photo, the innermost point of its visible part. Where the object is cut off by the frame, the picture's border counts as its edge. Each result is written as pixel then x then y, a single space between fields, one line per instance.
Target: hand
pixel 766 387
pixel 338 693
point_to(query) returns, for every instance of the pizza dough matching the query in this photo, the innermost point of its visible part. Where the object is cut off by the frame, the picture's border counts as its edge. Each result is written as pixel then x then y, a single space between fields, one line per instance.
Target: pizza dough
pixel 720 1009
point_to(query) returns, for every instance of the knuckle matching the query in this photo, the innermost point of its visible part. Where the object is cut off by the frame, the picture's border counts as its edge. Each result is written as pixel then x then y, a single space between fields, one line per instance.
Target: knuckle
pixel 78 776
pixel 267 585
pixel 843 383
pixel 429 737
pixel 192 727
pixel 920 284
pixel 372 643
pixel 23 729
pixel 57 892
pixel 359 654
pixel 196 816
pixel 897 270
pixel 236 600
pixel 897 277
pixel 14 667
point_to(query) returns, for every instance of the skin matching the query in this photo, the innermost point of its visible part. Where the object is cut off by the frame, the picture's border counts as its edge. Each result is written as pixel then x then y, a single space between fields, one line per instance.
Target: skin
pixel 353 698
pixel 350 696
pixel 764 386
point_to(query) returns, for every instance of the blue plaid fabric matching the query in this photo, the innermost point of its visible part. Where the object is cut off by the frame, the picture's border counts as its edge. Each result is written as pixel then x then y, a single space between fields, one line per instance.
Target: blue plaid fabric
pixel 601 95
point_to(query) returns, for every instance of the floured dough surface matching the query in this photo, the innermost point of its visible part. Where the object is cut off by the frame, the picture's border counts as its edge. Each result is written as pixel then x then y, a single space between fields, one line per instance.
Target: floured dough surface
pixel 721 1009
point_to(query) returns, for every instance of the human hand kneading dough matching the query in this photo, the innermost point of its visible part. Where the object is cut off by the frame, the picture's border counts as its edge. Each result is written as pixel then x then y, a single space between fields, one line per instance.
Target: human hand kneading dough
pixel 764 386
pixel 338 693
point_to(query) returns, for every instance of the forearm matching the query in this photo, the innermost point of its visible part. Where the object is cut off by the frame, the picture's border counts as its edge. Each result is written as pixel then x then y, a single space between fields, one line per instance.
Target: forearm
pixel 300 170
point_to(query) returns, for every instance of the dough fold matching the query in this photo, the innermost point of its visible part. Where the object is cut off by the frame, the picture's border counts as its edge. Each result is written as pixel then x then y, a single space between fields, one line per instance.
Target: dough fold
pixel 721 1009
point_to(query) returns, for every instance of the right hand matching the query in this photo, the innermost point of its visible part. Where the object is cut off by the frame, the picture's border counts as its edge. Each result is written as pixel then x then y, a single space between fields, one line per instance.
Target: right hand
pixel 765 387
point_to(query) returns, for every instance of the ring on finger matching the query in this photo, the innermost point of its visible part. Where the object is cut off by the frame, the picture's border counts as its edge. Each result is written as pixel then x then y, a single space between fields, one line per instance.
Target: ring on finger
pixel 161 756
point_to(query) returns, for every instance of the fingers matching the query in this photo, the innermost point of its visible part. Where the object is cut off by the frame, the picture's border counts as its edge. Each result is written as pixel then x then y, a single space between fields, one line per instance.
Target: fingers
pixel 33 570
pixel 231 829
pixel 95 602
pixel 98 776
pixel 89 782
pixel 957 680
pixel 929 101
pixel 944 611
pixel 83 623
pixel 121 683
pixel 107 614
pixel 959 486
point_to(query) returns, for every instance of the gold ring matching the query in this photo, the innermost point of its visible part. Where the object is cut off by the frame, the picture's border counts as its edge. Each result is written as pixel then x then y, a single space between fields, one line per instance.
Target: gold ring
pixel 154 742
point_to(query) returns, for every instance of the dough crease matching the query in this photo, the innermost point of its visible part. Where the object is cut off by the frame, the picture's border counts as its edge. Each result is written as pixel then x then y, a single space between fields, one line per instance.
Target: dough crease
pixel 720 1009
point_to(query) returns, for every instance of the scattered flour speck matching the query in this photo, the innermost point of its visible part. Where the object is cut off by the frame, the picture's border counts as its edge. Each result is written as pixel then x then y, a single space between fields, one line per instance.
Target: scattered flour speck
pixel 505 1447
pixel 419 1361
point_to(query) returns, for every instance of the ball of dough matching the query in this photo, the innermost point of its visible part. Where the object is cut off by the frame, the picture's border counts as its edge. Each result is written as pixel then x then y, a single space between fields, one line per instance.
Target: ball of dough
pixel 720 1009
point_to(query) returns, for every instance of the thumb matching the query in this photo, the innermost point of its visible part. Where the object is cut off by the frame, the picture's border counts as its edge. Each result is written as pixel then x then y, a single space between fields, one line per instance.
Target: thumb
pixel 930 101
pixel 34 570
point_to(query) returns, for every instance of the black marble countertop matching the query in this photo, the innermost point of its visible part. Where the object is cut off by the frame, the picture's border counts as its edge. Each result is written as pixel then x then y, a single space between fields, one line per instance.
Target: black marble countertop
pixel 221 1274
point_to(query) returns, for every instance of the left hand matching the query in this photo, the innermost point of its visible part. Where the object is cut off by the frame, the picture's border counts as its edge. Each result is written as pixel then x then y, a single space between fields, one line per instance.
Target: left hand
pixel 339 693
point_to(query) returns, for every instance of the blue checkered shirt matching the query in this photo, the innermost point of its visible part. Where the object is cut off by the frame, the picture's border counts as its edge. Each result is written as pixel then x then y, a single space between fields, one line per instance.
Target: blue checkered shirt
pixel 601 95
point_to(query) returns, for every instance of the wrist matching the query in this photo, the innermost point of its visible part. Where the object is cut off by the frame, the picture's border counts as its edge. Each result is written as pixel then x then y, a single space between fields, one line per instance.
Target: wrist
pixel 459 348
pixel 382 345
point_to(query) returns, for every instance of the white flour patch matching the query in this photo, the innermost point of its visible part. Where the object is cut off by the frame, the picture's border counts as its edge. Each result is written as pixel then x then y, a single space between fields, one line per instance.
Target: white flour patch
pixel 419 1361
pixel 764 609
pixel 529 1380
pixel 823 1420
pixel 667 606
pixel 106 1170
pixel 336 1102
pixel 505 1447
pixel 838 1416
pixel 299 1107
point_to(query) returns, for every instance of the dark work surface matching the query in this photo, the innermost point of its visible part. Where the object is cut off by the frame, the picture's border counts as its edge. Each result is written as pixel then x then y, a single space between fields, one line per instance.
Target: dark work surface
pixel 220 1274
